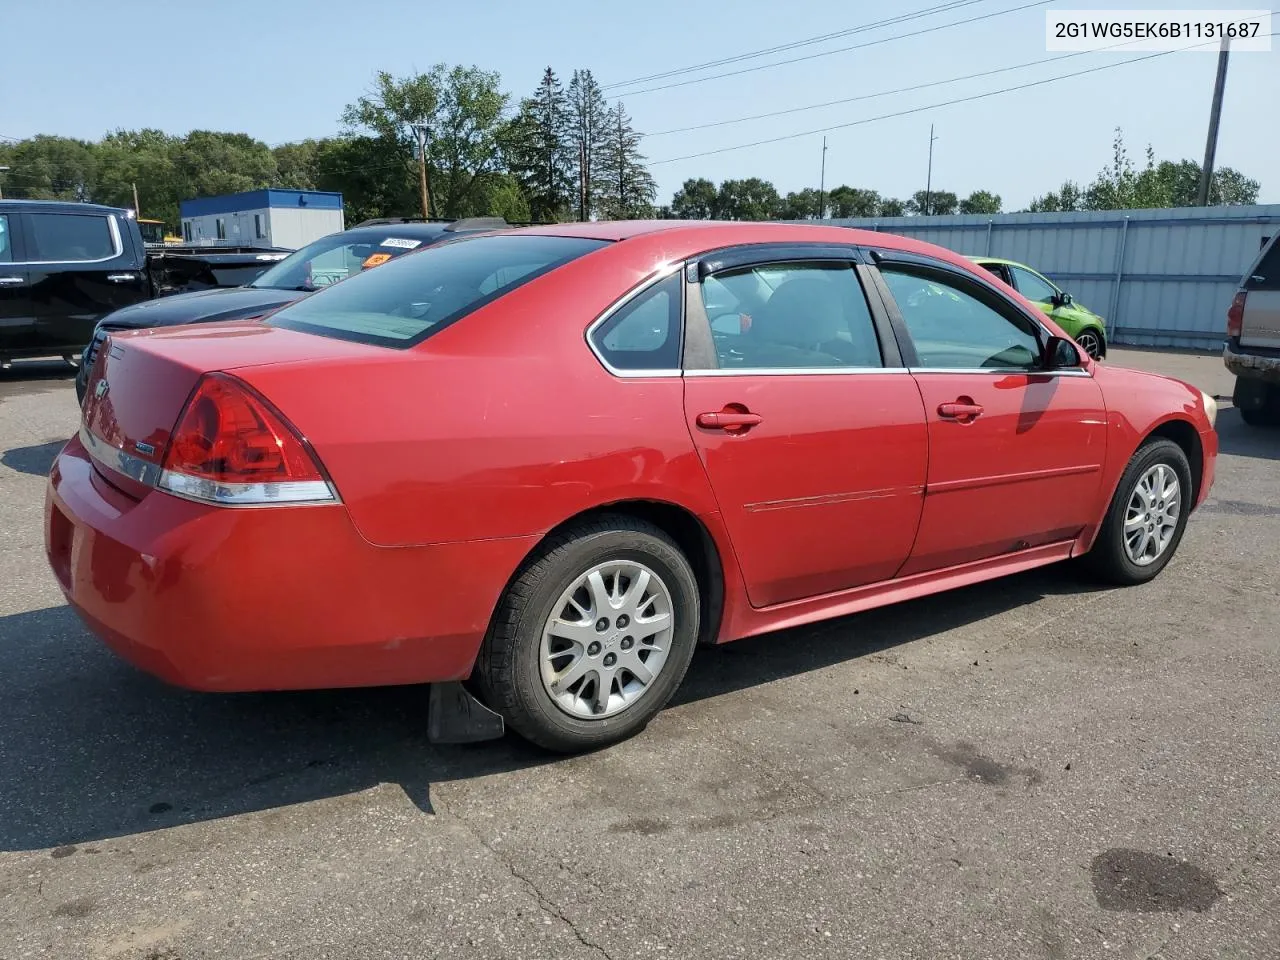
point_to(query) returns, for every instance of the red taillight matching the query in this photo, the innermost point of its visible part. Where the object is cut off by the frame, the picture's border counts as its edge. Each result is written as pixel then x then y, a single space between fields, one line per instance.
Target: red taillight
pixel 1235 315
pixel 231 447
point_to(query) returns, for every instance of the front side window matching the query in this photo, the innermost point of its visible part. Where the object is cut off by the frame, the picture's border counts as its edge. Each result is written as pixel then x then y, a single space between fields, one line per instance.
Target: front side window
pixel 790 316
pixel 409 298
pixel 951 329
pixel 6 244
pixel 70 237
pixel 1034 287
pixel 643 334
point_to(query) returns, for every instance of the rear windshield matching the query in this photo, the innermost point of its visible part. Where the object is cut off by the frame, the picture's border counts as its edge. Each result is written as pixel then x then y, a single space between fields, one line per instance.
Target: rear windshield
pixel 408 299
pixel 1265 274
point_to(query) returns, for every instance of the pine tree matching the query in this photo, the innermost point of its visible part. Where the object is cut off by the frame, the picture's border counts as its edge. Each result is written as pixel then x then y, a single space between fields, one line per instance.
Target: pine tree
pixel 539 152
pixel 588 126
pixel 627 189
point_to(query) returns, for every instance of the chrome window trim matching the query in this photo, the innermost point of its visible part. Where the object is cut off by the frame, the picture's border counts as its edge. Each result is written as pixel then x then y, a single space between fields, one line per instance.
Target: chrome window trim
pixel 1003 371
pixel 794 371
pixel 639 290
pixel 112 226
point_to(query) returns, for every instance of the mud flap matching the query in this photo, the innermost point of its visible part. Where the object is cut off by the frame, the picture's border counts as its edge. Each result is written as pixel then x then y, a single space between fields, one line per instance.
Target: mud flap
pixel 455 716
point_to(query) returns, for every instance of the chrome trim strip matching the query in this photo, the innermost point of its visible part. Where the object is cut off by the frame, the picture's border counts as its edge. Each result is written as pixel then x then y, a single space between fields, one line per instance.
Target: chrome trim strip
pixel 662 274
pixel 116 244
pixel 794 371
pixel 135 468
pixel 1002 371
pixel 293 492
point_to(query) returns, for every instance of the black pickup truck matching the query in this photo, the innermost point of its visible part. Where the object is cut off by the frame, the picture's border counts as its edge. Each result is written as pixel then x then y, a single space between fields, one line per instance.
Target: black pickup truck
pixel 63 266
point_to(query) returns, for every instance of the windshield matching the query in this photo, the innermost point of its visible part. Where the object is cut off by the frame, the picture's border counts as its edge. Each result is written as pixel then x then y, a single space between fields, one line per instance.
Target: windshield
pixel 334 258
pixel 405 302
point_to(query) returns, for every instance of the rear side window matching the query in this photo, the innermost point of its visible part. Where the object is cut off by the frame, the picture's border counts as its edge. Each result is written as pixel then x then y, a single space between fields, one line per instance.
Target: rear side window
pixel 407 299
pixel 790 316
pixel 1265 274
pixel 70 237
pixel 644 333
pixel 6 242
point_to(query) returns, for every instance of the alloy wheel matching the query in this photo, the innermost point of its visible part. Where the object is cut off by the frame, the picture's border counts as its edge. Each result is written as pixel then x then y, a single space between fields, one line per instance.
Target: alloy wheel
pixel 1090 343
pixel 607 639
pixel 1151 518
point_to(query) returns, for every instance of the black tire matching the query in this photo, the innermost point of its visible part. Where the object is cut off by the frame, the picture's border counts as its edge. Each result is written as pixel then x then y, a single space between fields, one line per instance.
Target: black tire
pixel 507 674
pixel 1257 401
pixel 1108 558
pixel 1098 339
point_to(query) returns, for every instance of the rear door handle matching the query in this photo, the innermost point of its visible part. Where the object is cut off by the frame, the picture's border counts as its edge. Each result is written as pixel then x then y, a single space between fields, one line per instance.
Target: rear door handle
pixel 12 281
pixel 729 420
pixel 960 410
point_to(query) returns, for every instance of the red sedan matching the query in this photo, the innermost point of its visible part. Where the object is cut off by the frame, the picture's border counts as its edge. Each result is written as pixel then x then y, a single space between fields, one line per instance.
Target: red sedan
pixel 554 460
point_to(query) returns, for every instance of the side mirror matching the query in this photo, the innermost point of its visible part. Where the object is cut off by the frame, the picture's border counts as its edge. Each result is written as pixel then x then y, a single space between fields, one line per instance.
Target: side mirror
pixel 1062 299
pixel 1060 354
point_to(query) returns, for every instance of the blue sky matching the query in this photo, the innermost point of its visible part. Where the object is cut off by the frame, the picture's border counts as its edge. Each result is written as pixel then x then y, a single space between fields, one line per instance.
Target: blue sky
pixel 283 70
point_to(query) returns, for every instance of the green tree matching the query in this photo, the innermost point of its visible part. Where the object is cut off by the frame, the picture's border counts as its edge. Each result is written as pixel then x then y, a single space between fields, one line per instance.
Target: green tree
pixel 845 201
pixel 981 201
pixel 465 149
pixel 627 190
pixel 1066 198
pixel 297 164
pixel 802 205
pixel 750 199
pixel 371 185
pixel 383 127
pixel 889 207
pixel 537 150
pixel 695 200
pixel 935 203
pixel 52 168
pixel 588 125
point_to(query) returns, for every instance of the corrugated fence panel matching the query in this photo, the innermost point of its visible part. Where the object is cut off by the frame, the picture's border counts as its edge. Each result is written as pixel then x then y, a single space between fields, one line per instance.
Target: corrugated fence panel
pixel 1159 277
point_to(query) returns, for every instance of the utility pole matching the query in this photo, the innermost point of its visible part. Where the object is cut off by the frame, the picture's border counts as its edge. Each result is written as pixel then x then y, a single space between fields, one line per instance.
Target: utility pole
pixel 822 184
pixel 420 129
pixel 137 209
pixel 622 169
pixel 1215 114
pixel 928 183
pixel 2 170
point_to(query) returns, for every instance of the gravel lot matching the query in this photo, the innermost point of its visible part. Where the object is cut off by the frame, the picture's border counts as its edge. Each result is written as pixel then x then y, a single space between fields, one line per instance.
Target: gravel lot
pixel 1032 768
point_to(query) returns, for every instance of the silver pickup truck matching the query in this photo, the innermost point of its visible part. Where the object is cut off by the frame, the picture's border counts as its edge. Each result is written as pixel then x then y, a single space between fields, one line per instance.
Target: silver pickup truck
pixel 1252 352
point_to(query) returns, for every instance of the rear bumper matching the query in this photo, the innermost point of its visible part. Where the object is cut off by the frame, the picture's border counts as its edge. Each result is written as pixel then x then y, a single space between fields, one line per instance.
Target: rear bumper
pixel 1255 366
pixel 225 599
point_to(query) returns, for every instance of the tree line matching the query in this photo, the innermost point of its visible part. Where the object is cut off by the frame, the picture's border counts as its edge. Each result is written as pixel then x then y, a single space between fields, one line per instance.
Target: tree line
pixel 561 153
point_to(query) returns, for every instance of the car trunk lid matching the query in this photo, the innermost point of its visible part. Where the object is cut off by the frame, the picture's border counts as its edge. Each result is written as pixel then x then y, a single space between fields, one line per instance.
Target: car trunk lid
pixel 142 380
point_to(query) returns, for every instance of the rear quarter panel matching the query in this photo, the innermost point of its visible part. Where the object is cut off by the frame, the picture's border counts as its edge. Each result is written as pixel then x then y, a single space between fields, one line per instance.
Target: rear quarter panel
pixel 501 425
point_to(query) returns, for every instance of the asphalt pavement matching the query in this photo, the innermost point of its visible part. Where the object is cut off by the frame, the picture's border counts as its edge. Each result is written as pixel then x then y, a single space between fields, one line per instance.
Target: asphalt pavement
pixel 1031 768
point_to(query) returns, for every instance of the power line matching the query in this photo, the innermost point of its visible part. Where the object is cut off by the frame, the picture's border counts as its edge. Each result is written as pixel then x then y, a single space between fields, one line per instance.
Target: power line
pixel 932 106
pixel 877 95
pixel 751 55
pixel 828 53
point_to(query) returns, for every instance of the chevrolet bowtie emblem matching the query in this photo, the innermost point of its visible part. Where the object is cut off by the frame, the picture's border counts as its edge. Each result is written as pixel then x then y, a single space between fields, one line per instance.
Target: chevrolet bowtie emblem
pixel 101 389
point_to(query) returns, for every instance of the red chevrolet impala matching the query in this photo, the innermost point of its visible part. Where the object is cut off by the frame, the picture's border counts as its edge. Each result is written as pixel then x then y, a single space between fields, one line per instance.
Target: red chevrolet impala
pixel 550 462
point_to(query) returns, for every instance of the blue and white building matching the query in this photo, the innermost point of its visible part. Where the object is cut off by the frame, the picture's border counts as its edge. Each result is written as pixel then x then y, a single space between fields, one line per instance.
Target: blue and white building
pixel 269 218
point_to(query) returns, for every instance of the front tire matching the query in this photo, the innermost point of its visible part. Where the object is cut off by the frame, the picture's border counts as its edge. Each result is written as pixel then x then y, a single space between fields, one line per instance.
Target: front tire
pixel 592 637
pixel 1258 402
pixel 1147 516
pixel 1091 342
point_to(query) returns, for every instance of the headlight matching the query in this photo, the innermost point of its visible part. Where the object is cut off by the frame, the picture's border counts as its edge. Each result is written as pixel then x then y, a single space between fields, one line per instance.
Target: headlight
pixel 1210 408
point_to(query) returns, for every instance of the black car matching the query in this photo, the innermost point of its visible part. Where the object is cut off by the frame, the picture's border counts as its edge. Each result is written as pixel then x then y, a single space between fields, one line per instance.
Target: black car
pixel 304 271
pixel 62 267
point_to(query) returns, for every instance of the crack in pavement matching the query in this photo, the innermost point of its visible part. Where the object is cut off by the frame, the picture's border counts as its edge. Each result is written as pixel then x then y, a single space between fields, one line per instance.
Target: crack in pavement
pixel 545 903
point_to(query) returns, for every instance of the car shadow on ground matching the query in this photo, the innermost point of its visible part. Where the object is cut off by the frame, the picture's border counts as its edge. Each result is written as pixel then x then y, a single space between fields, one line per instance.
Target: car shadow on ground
pixel 91 749
pixel 1236 438
pixel 36 459
pixel 55 372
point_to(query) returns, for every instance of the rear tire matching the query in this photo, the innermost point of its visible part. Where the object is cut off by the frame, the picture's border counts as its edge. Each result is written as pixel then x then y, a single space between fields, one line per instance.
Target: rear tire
pixel 593 602
pixel 1257 401
pixel 1145 521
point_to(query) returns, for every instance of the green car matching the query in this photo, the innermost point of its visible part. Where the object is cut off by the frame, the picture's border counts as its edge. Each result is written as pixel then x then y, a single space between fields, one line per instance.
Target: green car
pixel 1085 326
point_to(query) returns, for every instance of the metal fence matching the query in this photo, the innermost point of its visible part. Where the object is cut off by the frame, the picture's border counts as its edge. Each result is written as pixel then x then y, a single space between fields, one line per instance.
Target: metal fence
pixel 1160 278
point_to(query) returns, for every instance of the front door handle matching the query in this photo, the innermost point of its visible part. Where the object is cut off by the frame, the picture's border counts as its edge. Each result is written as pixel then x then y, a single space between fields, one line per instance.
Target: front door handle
pixel 122 277
pixel 963 410
pixel 12 281
pixel 729 420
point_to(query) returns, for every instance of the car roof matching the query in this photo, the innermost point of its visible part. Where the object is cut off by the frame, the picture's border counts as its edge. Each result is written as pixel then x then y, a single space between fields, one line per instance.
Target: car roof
pixel 1011 263
pixel 61 206
pixel 679 231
